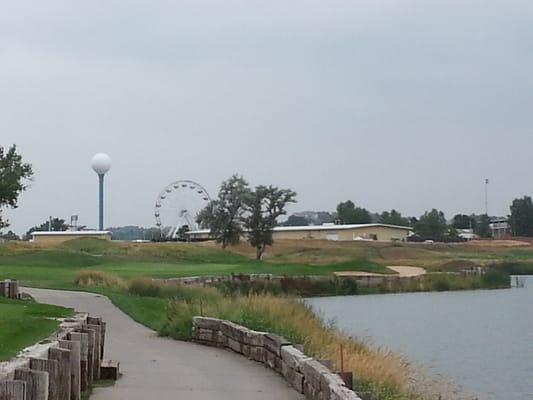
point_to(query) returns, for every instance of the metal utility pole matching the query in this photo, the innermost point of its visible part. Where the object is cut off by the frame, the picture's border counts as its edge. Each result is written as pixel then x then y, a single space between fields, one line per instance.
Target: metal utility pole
pixel 487 197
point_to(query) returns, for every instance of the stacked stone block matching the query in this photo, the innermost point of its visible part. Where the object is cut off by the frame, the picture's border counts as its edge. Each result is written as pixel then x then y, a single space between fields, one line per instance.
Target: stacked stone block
pixel 305 374
pixel 10 289
pixel 62 369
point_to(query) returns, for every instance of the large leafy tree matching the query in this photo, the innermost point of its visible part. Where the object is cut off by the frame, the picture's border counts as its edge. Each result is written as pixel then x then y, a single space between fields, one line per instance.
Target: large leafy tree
pixel 482 226
pixel 223 216
pixel 263 207
pixel 463 221
pixel 393 218
pixel 522 216
pixel 14 177
pixel 348 213
pixel 432 225
pixel 296 220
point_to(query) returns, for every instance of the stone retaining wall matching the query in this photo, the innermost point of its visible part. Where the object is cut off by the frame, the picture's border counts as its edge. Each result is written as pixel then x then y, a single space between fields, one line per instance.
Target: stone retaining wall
pixel 305 374
pixel 61 367
pixel 206 281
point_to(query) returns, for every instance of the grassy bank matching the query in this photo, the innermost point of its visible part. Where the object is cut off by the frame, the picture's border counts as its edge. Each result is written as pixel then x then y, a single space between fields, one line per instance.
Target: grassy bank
pixel 335 286
pixel 170 311
pixel 23 323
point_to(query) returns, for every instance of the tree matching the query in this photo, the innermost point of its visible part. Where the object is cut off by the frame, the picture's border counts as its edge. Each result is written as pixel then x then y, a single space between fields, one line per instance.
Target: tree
pixel 55 224
pixel 223 216
pixel 10 235
pixel 463 221
pixel 393 218
pixel 296 220
pixel 522 216
pixel 14 175
pixel 347 213
pixel 482 226
pixel 181 233
pixel 432 225
pixel 263 207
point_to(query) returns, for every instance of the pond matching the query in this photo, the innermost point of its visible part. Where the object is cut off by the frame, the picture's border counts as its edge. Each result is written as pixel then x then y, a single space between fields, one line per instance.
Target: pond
pixel 481 340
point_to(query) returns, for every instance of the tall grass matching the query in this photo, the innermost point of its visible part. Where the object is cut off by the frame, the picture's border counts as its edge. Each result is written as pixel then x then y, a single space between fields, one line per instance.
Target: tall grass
pixel 90 278
pixel 385 374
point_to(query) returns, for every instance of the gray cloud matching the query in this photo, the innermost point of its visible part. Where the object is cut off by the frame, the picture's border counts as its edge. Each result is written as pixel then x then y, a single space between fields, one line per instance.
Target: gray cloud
pixel 405 104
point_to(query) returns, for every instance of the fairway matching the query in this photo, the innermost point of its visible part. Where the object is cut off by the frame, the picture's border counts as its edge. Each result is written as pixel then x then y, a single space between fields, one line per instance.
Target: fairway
pixel 56 267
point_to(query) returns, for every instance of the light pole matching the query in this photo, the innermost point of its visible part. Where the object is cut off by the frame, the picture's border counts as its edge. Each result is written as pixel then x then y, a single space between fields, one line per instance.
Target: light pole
pixel 487 197
pixel 101 163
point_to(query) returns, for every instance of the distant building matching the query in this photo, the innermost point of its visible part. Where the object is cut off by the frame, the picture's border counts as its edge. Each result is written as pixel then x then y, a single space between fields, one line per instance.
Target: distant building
pixel 55 237
pixel 500 227
pixel 316 217
pixel 467 234
pixel 363 232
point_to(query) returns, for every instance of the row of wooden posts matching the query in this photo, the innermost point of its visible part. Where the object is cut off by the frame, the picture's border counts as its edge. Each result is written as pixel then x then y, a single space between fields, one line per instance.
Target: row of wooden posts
pixel 73 364
pixel 9 289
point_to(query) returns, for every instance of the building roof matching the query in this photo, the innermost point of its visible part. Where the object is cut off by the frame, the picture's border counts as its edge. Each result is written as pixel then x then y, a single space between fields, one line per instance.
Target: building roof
pixel 70 233
pixel 326 227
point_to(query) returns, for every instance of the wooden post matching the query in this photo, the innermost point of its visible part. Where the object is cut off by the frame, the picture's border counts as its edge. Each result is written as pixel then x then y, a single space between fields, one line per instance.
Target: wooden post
pixel 50 366
pixel 83 339
pixel 110 370
pixel 13 290
pixel 90 355
pixel 97 349
pixel 36 383
pixel 99 321
pixel 3 288
pixel 62 356
pixel 13 390
pixel 104 327
pixel 75 367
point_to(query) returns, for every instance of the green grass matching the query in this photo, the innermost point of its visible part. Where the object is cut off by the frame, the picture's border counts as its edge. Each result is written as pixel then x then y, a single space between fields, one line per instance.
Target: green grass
pixel 57 267
pixel 23 323
pixel 148 311
pixel 171 310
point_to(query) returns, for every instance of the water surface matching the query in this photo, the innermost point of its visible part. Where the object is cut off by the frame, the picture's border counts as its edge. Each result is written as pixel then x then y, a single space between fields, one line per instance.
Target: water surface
pixel 482 340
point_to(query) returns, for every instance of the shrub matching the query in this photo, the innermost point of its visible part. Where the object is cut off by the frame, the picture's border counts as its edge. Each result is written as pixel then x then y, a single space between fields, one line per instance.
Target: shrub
pixel 144 287
pixel 98 278
pixel 494 278
pixel 440 283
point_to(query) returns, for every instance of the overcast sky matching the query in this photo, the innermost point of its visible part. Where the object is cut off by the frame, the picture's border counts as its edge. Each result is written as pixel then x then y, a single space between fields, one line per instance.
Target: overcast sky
pixel 392 104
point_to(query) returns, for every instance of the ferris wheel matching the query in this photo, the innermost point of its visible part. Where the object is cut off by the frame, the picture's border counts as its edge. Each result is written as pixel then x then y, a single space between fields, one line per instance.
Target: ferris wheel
pixel 178 205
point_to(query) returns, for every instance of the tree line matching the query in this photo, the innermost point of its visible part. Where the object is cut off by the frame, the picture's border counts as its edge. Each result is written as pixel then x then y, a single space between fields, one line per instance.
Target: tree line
pixel 433 224
pixel 241 211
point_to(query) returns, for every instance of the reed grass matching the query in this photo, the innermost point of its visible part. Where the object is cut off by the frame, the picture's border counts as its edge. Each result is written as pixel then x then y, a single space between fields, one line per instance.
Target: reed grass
pixel 88 278
pixel 383 373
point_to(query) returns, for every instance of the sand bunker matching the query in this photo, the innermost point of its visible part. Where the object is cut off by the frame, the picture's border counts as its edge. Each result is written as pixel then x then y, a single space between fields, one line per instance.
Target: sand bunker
pixel 402 271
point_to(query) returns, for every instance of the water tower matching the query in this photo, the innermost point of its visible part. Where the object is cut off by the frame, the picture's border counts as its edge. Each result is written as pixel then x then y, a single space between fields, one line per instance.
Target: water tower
pixel 101 163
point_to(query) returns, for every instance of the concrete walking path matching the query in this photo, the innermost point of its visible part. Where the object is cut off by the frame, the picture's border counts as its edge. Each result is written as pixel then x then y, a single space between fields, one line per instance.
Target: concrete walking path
pixel 156 368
